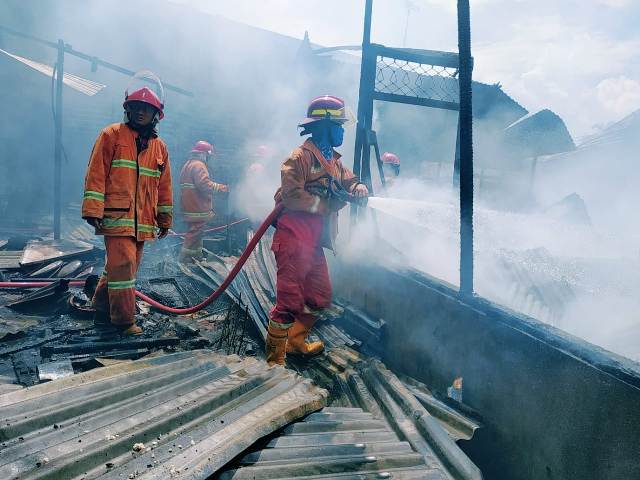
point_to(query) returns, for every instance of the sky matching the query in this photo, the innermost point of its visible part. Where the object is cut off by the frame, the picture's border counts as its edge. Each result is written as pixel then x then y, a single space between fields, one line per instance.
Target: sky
pixel 579 58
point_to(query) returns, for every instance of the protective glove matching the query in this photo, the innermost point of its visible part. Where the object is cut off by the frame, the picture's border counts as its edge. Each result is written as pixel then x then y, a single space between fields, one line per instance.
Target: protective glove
pixel 94 222
pixel 360 190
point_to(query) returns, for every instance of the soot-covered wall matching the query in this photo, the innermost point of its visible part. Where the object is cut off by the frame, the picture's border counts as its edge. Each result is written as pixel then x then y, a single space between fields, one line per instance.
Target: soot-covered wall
pixel 553 406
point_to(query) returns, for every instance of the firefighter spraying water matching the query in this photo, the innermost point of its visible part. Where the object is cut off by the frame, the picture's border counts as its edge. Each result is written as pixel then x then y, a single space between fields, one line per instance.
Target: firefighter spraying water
pixel 314 188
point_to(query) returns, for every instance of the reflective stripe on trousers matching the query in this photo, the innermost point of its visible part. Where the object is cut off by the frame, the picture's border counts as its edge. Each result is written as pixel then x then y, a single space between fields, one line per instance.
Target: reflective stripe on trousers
pixel 115 292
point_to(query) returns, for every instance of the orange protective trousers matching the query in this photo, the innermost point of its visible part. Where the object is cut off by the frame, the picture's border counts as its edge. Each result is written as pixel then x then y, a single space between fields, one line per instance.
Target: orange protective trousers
pixel 115 293
pixel 192 244
pixel 303 285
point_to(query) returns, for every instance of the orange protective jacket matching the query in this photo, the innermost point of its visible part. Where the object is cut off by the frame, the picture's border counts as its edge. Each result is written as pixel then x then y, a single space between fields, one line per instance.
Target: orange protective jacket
pixel 196 191
pixel 306 165
pixel 130 192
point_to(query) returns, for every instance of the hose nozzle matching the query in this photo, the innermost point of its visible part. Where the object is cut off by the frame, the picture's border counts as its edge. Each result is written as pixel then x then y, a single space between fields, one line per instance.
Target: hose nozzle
pixel 338 191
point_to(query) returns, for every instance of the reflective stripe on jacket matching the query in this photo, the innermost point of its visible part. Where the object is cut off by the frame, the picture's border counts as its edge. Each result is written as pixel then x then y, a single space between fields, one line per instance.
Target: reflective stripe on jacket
pixel 196 191
pixel 130 192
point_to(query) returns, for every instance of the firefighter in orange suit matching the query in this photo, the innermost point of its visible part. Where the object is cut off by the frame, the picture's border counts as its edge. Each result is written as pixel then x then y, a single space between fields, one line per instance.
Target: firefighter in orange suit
pixel 196 196
pixel 307 224
pixel 128 199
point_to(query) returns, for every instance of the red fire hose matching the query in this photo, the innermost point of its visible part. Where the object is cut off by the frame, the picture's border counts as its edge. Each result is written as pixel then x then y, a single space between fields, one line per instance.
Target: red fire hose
pixel 36 284
pixel 207 301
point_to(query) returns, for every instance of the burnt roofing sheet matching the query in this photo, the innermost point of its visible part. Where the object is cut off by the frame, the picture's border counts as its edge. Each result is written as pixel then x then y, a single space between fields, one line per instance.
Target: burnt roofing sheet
pixel 185 414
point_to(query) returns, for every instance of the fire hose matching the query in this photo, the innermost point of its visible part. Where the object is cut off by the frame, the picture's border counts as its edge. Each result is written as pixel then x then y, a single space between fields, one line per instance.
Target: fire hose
pixel 207 301
pixel 334 189
pixel 230 277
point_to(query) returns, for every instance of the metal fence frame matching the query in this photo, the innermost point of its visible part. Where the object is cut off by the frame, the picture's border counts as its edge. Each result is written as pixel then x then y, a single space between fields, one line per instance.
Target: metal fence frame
pixel 409 68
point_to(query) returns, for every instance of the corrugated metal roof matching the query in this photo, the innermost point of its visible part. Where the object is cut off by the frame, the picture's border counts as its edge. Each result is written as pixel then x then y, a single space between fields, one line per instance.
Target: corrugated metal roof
pixel 80 84
pixel 540 133
pixel 193 411
pixel 334 443
pixel 357 380
pixel 430 427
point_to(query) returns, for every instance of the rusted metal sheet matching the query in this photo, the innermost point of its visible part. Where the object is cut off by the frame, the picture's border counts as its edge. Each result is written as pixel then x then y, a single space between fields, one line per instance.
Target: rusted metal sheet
pixel 185 414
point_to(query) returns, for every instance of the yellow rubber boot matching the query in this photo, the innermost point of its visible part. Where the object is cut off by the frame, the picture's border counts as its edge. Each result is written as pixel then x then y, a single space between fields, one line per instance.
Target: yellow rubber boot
pixel 276 345
pixel 297 343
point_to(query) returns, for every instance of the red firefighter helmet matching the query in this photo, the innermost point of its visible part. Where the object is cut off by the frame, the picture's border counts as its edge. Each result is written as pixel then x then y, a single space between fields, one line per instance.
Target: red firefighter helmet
pixel 390 158
pixel 203 147
pixel 145 95
pixel 326 107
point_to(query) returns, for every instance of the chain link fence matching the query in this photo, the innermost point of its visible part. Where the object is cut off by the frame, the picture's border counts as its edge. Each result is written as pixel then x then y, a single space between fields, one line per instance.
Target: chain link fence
pixel 418 80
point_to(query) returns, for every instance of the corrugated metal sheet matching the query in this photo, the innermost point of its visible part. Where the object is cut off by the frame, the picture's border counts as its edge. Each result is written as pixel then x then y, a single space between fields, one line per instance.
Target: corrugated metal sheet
pixel 334 443
pixel 80 84
pixel 356 380
pixel 193 411
pixel 361 382
pixel 43 251
pixel 74 228
pixel 10 259
pixel 458 425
